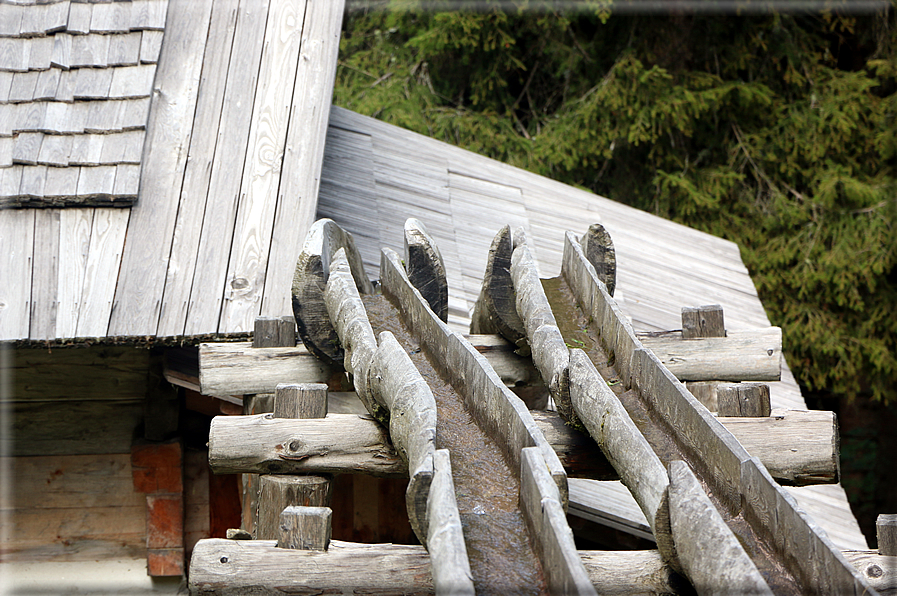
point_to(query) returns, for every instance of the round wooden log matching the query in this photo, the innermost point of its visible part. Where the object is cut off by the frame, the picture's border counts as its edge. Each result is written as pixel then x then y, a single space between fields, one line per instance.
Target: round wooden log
pixel 599 250
pixel 277 493
pixel 703 321
pixel 305 528
pixel 425 267
pixel 749 400
pixel 300 400
pixel 886 531
pixel 496 309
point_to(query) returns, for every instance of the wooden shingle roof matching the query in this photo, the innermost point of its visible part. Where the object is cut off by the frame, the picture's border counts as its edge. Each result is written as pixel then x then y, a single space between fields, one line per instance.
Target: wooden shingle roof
pixel 75 86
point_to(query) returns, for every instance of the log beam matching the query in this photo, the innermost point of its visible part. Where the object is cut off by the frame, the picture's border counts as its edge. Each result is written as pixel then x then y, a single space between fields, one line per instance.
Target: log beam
pixel 796 446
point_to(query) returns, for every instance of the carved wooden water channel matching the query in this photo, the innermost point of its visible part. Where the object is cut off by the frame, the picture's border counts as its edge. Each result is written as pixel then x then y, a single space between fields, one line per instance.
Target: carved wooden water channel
pixel 488 492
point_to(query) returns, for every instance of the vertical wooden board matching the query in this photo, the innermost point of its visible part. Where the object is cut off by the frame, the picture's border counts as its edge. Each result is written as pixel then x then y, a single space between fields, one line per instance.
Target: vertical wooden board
pixel 74 247
pixel 304 152
pixel 104 257
pixel 264 160
pixel 16 252
pixel 138 296
pixel 204 307
pixel 45 283
pixel 185 245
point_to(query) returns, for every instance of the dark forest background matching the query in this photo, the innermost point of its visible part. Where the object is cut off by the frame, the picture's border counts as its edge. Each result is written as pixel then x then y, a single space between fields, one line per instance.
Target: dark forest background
pixel 774 129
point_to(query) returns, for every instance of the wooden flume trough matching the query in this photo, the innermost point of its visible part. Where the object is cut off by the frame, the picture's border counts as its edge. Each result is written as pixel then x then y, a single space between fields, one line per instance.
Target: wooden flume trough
pixel 668 491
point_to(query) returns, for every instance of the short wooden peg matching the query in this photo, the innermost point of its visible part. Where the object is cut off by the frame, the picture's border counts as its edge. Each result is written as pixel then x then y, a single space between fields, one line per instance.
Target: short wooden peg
pixel 886 527
pixel 705 392
pixel 743 399
pixel 300 400
pixel 274 332
pixel 305 528
pixel 703 321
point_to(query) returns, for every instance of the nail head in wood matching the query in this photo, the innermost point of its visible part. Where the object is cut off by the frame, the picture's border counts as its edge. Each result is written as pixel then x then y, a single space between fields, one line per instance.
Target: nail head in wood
pixel 743 399
pixel 703 321
pixel 886 527
pixel 274 332
pixel 305 528
pixel 300 400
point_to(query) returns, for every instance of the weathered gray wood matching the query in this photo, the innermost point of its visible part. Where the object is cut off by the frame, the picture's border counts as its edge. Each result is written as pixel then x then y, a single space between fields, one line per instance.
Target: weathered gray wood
pixel 552 537
pixel 425 267
pixel 550 353
pixel 261 443
pixel 124 50
pixel 709 552
pixel 300 400
pixel 802 546
pixel 496 310
pixel 599 250
pixel 445 537
pixel 879 570
pixel 235 567
pixel 305 528
pixel 150 45
pixel 740 356
pixel 886 533
pixel 347 315
pixel 275 493
pixel 412 421
pixel 232 567
pixel 705 392
pixel 703 321
pixel 238 368
pixel 627 450
pixel 796 446
pixel 274 332
pixel 617 334
pixel 743 399
pixel 312 271
pixel 141 282
pixel 132 81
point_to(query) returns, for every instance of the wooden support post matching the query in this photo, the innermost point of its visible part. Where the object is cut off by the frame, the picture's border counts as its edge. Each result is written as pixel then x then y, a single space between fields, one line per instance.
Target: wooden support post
pixel 305 528
pixel 703 321
pixel 302 401
pixel 274 332
pixel 294 400
pixel 749 400
pixel 886 530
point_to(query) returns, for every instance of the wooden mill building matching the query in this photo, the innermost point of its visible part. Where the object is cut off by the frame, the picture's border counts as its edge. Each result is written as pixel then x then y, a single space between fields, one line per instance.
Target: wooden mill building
pixel 160 164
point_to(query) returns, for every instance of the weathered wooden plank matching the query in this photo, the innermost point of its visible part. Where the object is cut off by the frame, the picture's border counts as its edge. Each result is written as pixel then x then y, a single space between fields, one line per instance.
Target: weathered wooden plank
pixel 74 248
pixel 709 552
pixel 16 254
pixel 124 50
pixel 132 81
pixel 248 263
pixel 544 515
pixel 209 277
pixel 45 281
pixel 610 504
pixel 73 427
pixel 743 399
pixel 203 146
pixel 107 239
pixel 151 45
pixel 144 261
pixel 598 249
pixel 625 447
pixel 740 356
pixel 304 149
pixel 450 566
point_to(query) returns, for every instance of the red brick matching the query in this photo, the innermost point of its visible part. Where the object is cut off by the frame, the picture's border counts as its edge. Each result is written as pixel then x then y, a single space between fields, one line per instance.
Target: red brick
pixel 164 521
pixel 165 562
pixel 156 467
